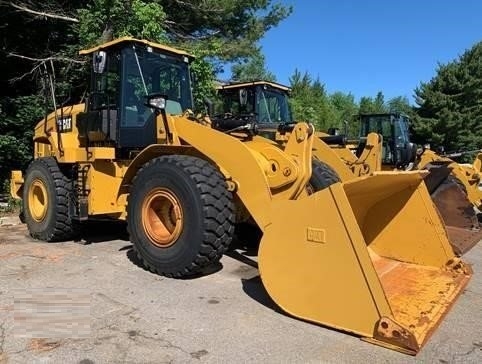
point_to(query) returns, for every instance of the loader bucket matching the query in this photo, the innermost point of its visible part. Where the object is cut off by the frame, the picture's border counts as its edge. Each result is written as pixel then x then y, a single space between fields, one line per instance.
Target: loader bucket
pixel 458 213
pixel 452 202
pixel 369 256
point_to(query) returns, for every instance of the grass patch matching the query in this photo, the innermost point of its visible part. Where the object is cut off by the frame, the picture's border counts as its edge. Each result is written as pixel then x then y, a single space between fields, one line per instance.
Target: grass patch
pixel 9 206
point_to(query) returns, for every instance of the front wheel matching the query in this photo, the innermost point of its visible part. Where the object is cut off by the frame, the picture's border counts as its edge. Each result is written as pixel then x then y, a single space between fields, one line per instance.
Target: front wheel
pixel 180 215
pixel 46 198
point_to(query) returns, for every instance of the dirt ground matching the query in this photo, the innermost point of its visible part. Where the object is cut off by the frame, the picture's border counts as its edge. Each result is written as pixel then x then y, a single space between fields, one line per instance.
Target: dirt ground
pixel 125 314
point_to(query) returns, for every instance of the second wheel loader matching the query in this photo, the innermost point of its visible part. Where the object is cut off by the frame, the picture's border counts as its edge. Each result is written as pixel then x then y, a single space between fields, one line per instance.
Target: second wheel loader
pixel 369 256
pixel 384 144
pixel 455 188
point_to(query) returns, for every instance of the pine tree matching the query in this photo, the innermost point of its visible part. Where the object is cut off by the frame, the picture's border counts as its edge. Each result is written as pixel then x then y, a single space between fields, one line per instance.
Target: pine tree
pixel 449 111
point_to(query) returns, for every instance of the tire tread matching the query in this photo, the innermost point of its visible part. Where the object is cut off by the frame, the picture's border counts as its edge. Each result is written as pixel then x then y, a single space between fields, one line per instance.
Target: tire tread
pixel 63 227
pixel 218 213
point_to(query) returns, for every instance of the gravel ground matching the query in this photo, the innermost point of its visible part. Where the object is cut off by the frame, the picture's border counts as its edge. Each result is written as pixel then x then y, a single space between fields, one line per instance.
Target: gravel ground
pixel 128 315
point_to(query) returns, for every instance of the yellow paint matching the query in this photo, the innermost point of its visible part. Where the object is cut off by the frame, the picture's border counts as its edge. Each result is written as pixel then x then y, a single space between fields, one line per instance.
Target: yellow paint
pixel 419 295
pixel 162 217
pixel 119 42
pixel 357 278
pixel 469 176
pixel 326 267
pixel 477 165
pixel 323 152
pixel 104 182
pixel 254 83
pixel 38 200
pixel 369 160
pixel 316 235
pixel 365 255
pixel 398 219
pixel 16 184
pixel 280 171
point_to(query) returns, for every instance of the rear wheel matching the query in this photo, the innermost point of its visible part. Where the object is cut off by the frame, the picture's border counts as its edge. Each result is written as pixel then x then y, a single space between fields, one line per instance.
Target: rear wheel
pixel 180 215
pixel 322 175
pixel 46 199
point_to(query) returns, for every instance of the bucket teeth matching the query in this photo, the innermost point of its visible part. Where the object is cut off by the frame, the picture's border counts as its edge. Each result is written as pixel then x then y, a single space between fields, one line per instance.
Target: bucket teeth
pixel 390 333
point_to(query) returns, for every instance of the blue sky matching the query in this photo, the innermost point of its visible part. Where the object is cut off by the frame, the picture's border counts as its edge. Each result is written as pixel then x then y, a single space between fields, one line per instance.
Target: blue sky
pixel 367 46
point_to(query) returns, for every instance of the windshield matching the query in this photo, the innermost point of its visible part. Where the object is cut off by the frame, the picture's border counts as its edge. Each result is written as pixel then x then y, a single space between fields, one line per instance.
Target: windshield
pixel 238 101
pixel 147 72
pixel 272 106
pixel 401 130
pixel 376 124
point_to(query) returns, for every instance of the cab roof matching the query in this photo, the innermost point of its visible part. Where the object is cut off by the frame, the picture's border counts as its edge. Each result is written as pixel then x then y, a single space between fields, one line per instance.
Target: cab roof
pixel 236 85
pixel 126 40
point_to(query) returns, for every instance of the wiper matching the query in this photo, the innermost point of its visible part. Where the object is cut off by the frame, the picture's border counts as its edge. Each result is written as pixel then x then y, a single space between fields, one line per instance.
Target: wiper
pixel 140 71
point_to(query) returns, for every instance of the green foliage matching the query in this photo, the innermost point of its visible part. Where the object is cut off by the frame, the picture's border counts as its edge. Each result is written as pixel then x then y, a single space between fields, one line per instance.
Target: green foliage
pixel 400 104
pixel 219 31
pixel 103 20
pixel 252 69
pixel 204 80
pixel 233 27
pixel 449 111
pixel 215 31
pixel 309 101
pixel 17 119
pixel 345 109
pixel 212 30
pixel 369 105
pixel 12 205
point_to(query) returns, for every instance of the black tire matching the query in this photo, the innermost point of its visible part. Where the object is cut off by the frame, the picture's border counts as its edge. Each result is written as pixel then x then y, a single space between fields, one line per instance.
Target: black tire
pixel 322 176
pixel 206 212
pixel 53 222
pixel 21 216
pixel 248 235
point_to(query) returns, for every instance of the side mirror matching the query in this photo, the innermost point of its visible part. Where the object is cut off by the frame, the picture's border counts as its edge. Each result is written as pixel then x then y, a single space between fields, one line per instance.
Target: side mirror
pixel 156 101
pixel 99 61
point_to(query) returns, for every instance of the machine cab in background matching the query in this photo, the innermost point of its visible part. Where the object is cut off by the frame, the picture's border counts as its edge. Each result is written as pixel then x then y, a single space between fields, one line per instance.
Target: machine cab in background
pixel 397 151
pixel 124 73
pixel 262 102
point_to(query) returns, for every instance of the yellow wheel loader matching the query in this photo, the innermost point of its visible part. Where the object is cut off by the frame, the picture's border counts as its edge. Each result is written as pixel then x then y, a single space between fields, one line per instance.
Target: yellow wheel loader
pixel 454 188
pixel 384 145
pixel 468 176
pixel 369 256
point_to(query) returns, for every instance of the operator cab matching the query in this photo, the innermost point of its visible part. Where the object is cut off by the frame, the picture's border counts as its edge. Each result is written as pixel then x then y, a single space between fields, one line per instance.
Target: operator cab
pixel 262 103
pixel 394 128
pixel 125 72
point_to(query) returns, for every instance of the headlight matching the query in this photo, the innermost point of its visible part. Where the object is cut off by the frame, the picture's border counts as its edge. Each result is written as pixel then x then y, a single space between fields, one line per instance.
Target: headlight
pixel 157 102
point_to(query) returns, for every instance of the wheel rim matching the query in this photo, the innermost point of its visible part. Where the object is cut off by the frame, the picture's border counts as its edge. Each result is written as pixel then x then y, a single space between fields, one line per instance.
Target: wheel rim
pixel 37 200
pixel 162 217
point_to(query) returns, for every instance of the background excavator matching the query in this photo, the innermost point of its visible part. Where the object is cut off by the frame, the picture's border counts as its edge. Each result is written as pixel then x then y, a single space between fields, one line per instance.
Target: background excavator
pixel 369 255
pixel 383 144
